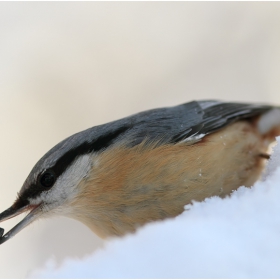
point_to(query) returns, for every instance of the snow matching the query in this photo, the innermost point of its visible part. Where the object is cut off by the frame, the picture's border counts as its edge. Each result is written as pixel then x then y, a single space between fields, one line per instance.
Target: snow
pixel 235 237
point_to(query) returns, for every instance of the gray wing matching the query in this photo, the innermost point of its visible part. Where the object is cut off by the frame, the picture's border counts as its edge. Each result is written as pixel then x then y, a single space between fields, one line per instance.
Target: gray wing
pixel 167 125
pixel 188 122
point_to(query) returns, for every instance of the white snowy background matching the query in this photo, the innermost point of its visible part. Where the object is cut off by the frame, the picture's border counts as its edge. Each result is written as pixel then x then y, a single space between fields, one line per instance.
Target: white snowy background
pixel 235 237
pixel 68 66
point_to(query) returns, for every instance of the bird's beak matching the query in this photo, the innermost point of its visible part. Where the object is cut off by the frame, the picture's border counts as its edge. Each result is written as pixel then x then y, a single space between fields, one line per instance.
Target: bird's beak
pixel 14 211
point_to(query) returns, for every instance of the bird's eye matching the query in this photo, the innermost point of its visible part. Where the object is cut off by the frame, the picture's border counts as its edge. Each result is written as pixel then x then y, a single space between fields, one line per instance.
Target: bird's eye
pixel 47 179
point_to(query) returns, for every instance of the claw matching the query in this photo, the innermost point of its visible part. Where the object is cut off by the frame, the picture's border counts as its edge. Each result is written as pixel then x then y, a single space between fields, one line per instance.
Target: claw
pixel 263 155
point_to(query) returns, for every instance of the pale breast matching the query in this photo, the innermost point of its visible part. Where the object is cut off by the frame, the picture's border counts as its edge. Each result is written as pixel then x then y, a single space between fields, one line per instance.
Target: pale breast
pixel 132 186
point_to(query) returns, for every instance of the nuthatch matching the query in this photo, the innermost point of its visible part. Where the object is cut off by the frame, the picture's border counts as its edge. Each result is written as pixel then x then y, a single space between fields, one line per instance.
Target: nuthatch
pixel 118 176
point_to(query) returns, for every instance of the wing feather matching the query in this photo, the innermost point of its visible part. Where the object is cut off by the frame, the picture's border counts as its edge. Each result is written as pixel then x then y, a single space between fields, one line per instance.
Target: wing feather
pixel 190 121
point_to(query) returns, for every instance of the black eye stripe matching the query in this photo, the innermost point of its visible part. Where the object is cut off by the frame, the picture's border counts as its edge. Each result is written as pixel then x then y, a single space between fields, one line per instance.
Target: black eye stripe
pixel 41 185
pixel 47 179
pixel 100 143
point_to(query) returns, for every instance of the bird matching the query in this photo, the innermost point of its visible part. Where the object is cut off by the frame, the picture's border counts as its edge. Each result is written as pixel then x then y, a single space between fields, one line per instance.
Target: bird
pixel 119 176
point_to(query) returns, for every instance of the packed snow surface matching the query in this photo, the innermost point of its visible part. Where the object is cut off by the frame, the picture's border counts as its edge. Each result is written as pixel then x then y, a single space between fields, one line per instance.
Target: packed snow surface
pixel 235 237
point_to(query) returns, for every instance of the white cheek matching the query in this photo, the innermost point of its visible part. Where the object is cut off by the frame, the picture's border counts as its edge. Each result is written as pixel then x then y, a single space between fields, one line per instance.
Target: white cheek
pixel 65 188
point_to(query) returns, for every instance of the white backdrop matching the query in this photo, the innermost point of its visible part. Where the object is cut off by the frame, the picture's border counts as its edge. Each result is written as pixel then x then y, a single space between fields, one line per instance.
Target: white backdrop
pixel 65 67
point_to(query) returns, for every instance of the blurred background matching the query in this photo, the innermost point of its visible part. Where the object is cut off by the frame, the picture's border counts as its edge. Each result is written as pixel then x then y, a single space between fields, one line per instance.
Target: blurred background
pixel 67 66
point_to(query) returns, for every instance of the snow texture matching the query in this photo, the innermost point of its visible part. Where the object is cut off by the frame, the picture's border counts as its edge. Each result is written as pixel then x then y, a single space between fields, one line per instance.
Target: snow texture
pixel 235 237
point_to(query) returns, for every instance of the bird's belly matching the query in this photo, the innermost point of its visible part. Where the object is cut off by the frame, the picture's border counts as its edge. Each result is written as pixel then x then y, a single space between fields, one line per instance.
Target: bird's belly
pixel 132 186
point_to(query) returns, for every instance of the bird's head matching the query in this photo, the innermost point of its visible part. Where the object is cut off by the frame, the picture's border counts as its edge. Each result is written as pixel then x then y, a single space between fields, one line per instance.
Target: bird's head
pixel 51 186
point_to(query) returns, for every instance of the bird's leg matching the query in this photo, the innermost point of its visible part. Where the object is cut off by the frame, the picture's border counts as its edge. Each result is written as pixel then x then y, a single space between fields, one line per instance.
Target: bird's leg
pixel 264 155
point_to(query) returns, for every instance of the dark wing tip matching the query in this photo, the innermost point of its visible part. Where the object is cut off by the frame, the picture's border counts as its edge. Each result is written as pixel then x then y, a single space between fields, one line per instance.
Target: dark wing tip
pixel 1 232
